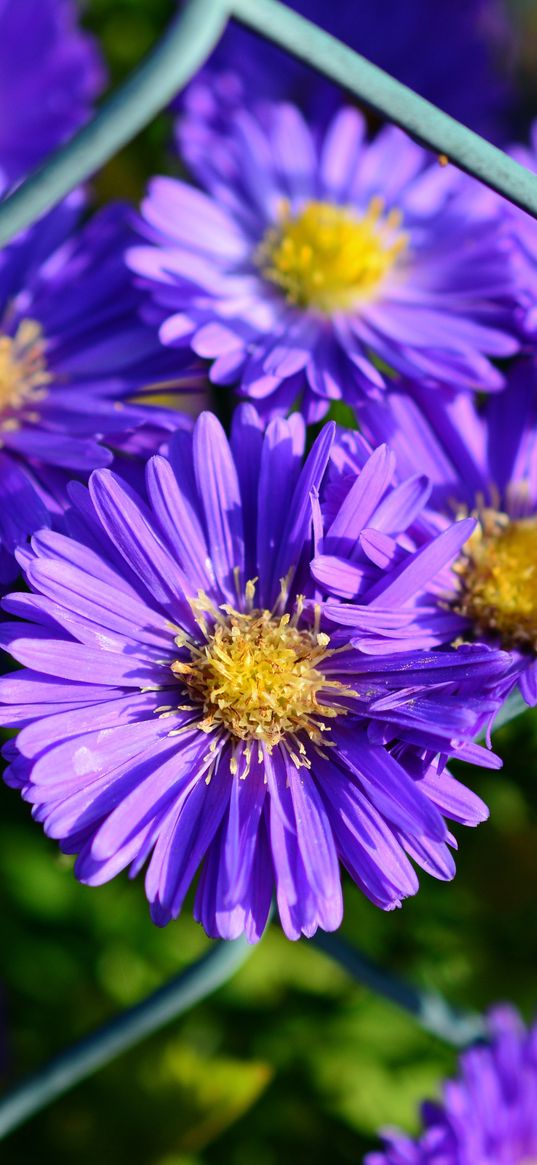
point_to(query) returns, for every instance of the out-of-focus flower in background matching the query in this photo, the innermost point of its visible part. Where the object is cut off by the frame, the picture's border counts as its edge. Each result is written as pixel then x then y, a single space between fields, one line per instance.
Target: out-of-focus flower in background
pixel 457 53
pixel 487 1114
pixel 51 71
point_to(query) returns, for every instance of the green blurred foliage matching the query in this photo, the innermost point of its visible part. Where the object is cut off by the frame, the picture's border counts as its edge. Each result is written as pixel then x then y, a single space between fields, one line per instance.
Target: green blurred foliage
pixel 127 30
pixel 290 1061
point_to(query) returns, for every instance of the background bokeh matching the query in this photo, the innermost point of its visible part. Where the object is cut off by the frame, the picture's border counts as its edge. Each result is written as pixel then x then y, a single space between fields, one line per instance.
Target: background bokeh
pixel 291 1061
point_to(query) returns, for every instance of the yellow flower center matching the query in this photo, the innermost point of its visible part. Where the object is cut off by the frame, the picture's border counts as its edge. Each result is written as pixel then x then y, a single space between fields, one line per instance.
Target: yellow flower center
pixel 499 578
pixel 330 258
pixel 257 676
pixel 23 371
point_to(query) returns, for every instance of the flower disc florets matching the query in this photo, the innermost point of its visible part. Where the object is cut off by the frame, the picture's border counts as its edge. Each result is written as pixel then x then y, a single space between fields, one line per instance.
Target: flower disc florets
pixel 499 578
pixel 23 371
pixel 328 257
pixel 258 676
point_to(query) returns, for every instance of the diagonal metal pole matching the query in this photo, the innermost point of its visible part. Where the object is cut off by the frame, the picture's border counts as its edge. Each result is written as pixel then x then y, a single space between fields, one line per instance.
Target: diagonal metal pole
pixel 184 48
pixel 150 88
pixel 133 1025
pixel 392 100
pixel 429 1009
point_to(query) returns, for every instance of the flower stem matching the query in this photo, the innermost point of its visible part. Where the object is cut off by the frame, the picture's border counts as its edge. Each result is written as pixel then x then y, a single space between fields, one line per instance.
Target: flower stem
pixel 103 1045
pixel 429 1009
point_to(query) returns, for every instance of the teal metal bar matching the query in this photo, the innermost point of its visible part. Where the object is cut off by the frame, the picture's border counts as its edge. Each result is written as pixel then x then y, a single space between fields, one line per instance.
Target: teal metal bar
pixel 103 1045
pixel 427 1008
pixel 186 45
pixel 390 98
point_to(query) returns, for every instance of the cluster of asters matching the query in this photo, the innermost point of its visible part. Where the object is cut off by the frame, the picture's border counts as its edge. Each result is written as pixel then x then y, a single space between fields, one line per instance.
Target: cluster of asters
pixel 248 657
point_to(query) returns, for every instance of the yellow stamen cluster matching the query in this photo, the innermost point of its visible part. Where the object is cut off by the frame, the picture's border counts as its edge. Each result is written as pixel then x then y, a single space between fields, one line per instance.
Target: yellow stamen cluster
pixel 23 372
pixel 258 677
pixel 329 258
pixel 499 579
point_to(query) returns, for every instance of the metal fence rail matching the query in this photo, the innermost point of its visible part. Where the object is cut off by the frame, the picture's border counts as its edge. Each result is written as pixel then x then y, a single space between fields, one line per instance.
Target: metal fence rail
pixel 187 44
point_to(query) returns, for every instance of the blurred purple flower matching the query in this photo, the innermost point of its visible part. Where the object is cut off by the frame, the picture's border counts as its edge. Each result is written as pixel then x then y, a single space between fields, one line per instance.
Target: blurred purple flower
pixel 311 266
pixel 50 74
pixel 487 1114
pixel 185 704
pixel 457 53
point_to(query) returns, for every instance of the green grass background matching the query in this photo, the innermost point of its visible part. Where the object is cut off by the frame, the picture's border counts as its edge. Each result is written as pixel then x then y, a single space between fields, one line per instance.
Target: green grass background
pixel 291 1061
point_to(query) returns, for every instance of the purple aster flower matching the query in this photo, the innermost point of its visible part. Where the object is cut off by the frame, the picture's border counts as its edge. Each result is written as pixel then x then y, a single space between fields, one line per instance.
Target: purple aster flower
pixel 479 460
pixel 311 265
pixel 76 362
pixel 487 1114
pixel 50 74
pixel 454 52
pixel 184 705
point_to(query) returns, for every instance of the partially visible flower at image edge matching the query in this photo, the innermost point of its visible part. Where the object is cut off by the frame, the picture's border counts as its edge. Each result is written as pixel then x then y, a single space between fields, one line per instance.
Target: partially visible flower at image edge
pixel 186 705
pixel 488 1114
pixel 481 459
pixel 78 366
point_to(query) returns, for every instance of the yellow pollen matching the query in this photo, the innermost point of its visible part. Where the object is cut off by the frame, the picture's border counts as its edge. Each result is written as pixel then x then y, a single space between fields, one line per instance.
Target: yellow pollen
pixel 499 579
pixel 330 258
pixel 23 372
pixel 258 677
